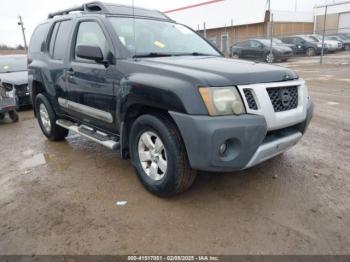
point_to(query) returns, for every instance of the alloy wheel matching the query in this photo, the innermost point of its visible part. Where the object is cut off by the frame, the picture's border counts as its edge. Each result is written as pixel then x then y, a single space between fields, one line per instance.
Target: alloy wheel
pixel 152 155
pixel 44 117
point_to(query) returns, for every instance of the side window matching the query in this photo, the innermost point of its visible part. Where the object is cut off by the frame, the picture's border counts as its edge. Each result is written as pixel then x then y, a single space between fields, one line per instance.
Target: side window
pixel 53 39
pixel 38 37
pixel 90 33
pixel 62 38
pixel 287 40
pixel 296 41
pixel 254 44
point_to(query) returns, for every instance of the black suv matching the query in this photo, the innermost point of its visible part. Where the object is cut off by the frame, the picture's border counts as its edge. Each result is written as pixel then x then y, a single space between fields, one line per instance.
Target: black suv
pixel 135 81
pixel 305 45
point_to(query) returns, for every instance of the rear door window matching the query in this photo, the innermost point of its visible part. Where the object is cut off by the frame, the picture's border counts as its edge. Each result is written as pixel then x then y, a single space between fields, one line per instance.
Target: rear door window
pixel 61 40
pixel 53 39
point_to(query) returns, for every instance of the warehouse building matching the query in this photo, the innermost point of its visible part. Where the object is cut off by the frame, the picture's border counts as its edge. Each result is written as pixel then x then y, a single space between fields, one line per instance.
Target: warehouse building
pixel 224 22
pixel 338 18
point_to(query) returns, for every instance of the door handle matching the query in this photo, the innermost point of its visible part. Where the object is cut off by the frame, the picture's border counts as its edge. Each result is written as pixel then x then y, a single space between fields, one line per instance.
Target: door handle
pixel 70 73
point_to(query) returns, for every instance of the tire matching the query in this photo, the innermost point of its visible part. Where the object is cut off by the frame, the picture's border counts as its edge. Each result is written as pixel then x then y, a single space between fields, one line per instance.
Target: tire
pixel 14 116
pixel 310 51
pixel 177 176
pixel 284 60
pixel 270 58
pixel 235 56
pixel 48 118
pixel 2 116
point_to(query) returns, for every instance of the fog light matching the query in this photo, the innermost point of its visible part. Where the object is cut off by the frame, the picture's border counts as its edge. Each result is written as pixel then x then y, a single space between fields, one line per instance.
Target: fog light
pixel 222 148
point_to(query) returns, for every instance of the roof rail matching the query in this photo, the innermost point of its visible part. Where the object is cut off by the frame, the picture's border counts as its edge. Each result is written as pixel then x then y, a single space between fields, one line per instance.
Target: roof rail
pixel 88 7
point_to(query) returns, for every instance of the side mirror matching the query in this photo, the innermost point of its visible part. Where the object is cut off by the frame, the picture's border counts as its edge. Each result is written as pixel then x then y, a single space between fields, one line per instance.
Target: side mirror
pixel 89 52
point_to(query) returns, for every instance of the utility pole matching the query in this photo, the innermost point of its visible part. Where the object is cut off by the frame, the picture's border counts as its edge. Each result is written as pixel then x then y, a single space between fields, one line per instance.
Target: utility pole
pixel 324 32
pixel 20 23
pixel 271 36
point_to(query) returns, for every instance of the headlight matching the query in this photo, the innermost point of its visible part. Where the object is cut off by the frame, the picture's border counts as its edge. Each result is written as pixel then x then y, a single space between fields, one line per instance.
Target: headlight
pixel 11 93
pixel 319 45
pixel 222 100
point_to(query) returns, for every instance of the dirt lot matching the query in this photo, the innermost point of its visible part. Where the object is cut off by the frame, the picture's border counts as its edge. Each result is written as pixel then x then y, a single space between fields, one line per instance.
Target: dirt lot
pixel 60 198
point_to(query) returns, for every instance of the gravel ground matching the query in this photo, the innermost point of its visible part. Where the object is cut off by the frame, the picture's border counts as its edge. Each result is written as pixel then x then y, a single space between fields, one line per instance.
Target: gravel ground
pixel 62 198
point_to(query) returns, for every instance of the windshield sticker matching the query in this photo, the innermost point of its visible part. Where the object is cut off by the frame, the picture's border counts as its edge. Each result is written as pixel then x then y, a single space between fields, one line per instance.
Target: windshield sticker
pixel 159 44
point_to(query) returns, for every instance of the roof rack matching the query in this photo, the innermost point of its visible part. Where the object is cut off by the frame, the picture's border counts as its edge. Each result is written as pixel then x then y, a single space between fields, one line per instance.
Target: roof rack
pixel 113 9
pixel 88 7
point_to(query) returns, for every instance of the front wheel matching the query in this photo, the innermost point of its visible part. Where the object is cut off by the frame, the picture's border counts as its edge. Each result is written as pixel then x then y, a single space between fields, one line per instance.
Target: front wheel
pixel 270 58
pixel 159 156
pixel 14 116
pixel 310 51
pixel 47 119
pixel 235 56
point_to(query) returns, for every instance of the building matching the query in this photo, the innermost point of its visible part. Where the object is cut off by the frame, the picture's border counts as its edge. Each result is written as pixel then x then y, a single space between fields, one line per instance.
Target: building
pixel 338 18
pixel 225 22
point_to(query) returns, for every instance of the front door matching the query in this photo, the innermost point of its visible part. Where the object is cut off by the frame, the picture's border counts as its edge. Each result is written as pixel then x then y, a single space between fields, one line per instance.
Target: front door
pixel 90 85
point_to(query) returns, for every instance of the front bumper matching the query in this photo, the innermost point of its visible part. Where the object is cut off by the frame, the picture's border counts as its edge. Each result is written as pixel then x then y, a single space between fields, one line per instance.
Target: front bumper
pixel 284 55
pixel 247 137
pixel 24 100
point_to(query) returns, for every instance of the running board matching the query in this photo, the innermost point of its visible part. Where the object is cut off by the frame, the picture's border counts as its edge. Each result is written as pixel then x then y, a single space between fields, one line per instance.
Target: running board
pixel 90 133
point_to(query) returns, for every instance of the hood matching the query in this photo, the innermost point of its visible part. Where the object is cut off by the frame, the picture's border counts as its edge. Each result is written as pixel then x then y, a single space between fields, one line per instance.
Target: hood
pixel 282 48
pixel 214 71
pixel 331 42
pixel 15 78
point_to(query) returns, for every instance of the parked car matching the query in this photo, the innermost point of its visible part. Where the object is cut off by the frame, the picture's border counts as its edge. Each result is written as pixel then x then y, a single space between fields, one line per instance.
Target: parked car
pixel 13 71
pixel 332 45
pixel 343 39
pixel 305 45
pixel 135 81
pixel 280 42
pixel 260 49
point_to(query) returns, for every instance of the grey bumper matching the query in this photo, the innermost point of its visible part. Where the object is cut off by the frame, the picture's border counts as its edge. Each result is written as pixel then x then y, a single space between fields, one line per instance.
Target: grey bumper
pixel 246 136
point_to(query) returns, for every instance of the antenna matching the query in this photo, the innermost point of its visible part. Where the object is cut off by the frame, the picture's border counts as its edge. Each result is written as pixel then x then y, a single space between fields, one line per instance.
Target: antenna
pixel 133 21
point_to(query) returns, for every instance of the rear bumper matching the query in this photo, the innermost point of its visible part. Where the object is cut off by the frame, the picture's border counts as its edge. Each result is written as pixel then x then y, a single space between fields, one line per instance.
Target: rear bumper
pixel 247 138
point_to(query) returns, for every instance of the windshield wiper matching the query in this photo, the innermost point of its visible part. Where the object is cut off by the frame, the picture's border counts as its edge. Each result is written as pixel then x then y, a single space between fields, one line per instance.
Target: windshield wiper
pixel 195 54
pixel 152 54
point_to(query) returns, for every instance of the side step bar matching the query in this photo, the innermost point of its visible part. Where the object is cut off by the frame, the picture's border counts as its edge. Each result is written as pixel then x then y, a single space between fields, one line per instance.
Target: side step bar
pixel 90 133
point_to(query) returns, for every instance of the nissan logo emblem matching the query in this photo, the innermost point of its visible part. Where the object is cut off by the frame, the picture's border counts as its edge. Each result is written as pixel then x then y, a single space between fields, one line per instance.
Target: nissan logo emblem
pixel 285 97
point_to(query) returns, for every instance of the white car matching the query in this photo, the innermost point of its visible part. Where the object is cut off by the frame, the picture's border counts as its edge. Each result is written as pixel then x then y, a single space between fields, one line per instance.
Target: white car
pixel 333 45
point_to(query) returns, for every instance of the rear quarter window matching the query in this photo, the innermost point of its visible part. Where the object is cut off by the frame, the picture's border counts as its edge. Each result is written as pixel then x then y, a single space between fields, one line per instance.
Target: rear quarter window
pixel 38 37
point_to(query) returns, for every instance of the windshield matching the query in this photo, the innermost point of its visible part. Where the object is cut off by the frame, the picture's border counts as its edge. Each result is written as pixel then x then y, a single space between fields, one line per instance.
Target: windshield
pixel 159 37
pixel 266 42
pixel 308 39
pixel 277 41
pixel 315 38
pixel 9 64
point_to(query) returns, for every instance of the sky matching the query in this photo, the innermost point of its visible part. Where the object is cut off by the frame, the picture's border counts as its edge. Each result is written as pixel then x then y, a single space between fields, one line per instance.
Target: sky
pixel 35 11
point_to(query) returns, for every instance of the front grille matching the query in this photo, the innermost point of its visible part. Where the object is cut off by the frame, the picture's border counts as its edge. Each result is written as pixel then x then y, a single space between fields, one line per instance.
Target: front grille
pixel 283 98
pixel 21 90
pixel 250 99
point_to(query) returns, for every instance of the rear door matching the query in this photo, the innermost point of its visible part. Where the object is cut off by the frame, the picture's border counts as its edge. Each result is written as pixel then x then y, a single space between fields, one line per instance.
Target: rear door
pixel 58 44
pixel 90 84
